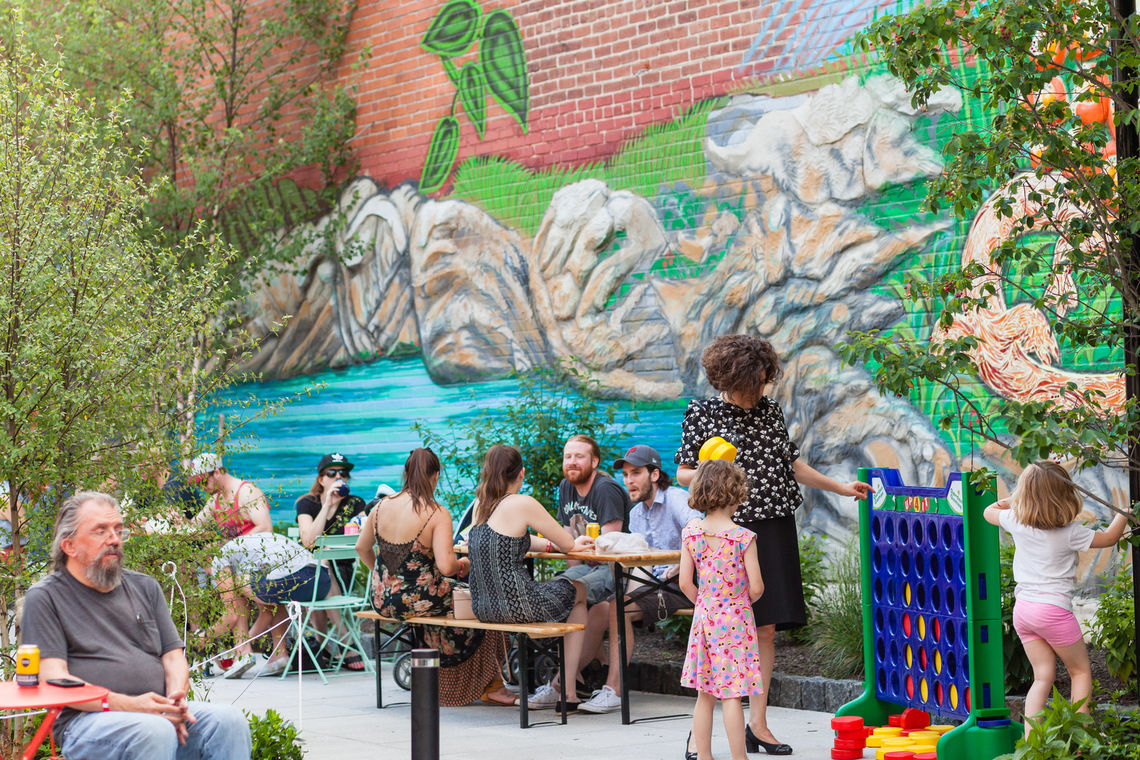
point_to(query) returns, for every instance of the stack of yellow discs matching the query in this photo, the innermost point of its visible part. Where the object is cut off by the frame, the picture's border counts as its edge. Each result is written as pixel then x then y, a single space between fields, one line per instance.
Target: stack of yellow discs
pixel 924 737
pixel 717 448
pixel 892 744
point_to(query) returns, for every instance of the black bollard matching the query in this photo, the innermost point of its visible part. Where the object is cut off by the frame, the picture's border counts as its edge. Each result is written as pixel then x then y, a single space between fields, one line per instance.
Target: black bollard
pixel 425 704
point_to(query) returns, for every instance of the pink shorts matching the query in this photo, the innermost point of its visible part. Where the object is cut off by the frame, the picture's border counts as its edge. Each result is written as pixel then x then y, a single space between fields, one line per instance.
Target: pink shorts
pixel 1041 620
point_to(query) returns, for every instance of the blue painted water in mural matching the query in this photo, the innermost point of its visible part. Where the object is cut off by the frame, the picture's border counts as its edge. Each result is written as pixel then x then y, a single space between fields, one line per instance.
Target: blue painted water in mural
pixel 367 412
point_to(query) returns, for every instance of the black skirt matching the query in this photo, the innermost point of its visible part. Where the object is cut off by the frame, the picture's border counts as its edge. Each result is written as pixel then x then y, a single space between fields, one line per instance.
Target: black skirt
pixel 778 550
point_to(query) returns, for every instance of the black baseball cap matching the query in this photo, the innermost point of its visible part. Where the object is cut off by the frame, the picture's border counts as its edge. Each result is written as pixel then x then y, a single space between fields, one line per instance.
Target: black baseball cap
pixel 334 460
pixel 640 456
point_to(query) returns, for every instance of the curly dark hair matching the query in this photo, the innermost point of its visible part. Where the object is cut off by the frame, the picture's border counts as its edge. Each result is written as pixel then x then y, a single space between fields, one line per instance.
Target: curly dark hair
pixel 718 484
pixel 740 363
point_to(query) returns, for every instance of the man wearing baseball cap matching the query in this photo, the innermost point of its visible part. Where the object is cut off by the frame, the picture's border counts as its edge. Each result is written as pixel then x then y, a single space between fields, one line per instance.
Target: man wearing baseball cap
pixel 660 511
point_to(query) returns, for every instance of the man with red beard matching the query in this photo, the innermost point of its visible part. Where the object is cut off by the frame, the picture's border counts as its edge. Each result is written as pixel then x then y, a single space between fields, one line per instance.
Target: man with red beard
pixel 586 496
pixel 94 621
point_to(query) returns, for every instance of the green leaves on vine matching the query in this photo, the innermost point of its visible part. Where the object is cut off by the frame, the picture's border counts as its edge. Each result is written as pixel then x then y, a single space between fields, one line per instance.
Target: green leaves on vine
pixel 504 63
pixel 499 67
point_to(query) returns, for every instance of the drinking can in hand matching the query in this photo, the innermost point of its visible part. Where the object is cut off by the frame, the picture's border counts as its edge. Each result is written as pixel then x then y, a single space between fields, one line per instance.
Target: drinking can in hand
pixel 593 530
pixel 28 665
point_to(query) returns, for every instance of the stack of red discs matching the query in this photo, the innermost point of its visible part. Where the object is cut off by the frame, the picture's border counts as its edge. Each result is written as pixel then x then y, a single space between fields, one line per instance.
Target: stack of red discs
pixel 850 738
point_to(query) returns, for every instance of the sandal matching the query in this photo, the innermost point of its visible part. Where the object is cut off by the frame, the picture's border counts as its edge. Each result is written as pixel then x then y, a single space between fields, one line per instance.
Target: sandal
pixel 488 695
pixel 353 662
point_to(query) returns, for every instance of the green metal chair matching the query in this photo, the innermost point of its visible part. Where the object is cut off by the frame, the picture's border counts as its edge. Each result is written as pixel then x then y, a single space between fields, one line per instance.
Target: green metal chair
pixel 345 637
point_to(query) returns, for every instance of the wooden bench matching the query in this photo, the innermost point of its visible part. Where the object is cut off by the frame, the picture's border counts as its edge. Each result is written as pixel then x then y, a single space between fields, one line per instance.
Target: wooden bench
pixel 529 634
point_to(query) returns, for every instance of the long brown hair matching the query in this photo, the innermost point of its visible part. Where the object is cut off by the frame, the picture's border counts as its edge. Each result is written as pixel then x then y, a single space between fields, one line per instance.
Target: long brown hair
pixel 419 468
pixel 1045 496
pixel 500 468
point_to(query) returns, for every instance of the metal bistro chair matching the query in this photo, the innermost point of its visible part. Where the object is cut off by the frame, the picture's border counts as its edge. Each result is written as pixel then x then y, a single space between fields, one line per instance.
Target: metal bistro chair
pixel 329 549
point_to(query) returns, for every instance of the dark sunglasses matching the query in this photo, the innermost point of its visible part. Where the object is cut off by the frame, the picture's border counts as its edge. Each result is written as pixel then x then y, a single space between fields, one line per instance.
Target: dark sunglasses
pixel 336 474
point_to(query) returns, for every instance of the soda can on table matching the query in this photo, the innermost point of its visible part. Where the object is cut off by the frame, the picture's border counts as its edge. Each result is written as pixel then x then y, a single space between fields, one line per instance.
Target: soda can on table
pixel 28 665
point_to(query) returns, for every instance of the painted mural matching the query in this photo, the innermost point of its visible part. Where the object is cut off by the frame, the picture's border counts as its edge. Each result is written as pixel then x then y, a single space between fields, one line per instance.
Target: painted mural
pixel 789 212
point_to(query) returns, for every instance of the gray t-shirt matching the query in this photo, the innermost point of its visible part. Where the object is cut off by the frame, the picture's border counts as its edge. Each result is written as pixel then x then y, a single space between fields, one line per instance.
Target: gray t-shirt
pixel 115 640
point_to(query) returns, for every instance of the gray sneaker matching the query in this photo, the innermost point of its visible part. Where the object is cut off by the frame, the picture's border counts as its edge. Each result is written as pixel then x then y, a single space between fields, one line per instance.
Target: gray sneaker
pixel 605 700
pixel 240 666
pixel 544 698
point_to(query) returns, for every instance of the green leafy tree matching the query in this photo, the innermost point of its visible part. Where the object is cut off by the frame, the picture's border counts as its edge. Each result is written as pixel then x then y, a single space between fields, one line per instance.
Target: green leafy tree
pixel 98 322
pixel 1065 209
pixel 537 422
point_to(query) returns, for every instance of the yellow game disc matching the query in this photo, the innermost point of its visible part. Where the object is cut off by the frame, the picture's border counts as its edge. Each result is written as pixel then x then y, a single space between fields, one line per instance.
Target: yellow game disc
pixel 941 728
pixel 937 662
pixel 924 690
pixel 921 627
pixel 909 656
pixel 906 593
pixel 874 741
pixel 953 696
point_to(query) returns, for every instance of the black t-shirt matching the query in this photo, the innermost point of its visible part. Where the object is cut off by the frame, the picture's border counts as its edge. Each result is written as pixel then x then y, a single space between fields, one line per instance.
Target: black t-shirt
pixel 349 507
pixel 605 502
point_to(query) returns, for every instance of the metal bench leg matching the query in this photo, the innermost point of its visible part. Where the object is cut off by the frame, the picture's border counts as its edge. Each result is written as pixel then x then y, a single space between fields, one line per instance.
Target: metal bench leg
pixel 379 670
pixel 562 674
pixel 524 679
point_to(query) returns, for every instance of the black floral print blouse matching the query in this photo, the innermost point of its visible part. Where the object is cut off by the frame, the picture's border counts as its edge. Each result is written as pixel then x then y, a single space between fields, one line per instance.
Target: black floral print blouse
pixel 763 450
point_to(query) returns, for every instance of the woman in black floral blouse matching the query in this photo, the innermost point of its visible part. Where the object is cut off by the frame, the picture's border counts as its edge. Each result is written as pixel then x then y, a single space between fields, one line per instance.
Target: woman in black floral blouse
pixel 740 367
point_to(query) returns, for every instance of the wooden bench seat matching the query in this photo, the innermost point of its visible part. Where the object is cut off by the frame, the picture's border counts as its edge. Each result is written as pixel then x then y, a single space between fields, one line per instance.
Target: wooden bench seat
pixel 525 631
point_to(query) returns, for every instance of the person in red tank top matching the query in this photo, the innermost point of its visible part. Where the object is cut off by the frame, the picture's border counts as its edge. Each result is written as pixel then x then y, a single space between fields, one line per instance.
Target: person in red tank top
pixel 238 507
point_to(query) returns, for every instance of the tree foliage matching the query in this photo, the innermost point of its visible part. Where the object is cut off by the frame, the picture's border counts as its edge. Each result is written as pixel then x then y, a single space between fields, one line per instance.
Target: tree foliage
pixel 97 323
pixel 1059 212
pixel 233 106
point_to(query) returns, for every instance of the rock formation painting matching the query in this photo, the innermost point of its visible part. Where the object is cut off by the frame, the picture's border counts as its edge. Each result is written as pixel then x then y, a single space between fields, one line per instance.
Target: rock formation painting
pixel 789 257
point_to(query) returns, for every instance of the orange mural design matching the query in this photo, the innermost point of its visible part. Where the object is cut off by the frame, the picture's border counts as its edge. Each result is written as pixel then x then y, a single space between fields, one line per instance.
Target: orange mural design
pixel 1018 352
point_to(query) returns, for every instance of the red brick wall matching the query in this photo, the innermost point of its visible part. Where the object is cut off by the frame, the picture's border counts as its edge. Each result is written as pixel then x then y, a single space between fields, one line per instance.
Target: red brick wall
pixel 599 73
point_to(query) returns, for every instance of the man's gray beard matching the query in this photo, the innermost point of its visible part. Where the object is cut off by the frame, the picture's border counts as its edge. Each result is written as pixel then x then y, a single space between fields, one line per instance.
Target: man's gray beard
pixel 105 576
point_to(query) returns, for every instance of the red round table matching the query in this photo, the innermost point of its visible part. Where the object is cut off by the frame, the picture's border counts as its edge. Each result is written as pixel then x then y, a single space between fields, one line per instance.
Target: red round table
pixel 55 698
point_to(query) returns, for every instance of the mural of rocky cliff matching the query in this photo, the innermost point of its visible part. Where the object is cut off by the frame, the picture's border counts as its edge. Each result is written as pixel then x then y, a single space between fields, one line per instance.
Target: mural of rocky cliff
pixel 797 264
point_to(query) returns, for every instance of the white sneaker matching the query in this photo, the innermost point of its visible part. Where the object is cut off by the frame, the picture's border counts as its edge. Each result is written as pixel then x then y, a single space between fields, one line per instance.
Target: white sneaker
pixel 240 666
pixel 275 668
pixel 604 700
pixel 544 698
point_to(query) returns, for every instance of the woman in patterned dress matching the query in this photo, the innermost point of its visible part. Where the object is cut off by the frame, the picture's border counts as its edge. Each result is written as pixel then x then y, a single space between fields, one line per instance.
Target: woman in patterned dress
pixel 740 367
pixel 411 536
pixel 502 589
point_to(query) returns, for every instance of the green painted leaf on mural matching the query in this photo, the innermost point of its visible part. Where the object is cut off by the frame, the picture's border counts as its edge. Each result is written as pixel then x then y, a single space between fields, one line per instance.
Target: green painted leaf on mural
pixel 473 95
pixel 453 28
pixel 441 155
pixel 504 64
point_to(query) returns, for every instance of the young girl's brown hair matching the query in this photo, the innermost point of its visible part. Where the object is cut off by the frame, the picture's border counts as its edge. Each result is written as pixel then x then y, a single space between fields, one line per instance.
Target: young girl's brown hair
pixel 718 484
pixel 1045 496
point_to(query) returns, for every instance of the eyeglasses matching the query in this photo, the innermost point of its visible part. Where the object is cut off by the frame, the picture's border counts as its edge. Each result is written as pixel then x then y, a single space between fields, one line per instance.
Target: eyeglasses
pixel 336 474
pixel 103 533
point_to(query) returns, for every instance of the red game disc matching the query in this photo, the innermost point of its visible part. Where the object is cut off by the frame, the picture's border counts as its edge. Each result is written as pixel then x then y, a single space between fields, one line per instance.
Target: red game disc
pixel 847 723
pixel 858 744
pixel 846 754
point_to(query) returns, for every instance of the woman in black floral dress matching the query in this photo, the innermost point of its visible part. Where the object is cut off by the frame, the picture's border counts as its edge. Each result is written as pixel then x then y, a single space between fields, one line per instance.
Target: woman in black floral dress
pixel 411 535
pixel 740 367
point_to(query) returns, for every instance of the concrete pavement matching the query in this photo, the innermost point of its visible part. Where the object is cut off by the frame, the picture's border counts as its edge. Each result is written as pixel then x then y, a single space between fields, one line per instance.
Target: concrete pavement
pixel 339 721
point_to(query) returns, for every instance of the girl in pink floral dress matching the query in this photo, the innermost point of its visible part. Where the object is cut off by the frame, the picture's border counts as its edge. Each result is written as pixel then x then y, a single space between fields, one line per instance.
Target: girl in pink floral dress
pixel 723 660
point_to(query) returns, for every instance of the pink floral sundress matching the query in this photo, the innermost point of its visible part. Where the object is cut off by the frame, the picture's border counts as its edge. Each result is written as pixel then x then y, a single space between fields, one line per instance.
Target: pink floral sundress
pixel 723 658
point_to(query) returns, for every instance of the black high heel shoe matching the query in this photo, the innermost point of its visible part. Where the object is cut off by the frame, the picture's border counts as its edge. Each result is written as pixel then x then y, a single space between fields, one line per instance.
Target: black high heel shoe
pixel 689 754
pixel 752 744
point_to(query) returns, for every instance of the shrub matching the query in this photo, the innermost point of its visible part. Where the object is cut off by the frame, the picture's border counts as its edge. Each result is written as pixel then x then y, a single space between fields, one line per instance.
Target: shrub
pixel 1060 732
pixel 1114 627
pixel 836 627
pixel 1018 671
pixel 551 406
pixel 813 572
pixel 274 738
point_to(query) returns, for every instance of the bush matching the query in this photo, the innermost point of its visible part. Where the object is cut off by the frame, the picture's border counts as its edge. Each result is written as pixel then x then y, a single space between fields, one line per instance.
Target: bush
pixel 1018 671
pixel 813 574
pixel 1114 626
pixel 1062 733
pixel 551 406
pixel 274 738
pixel 836 627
